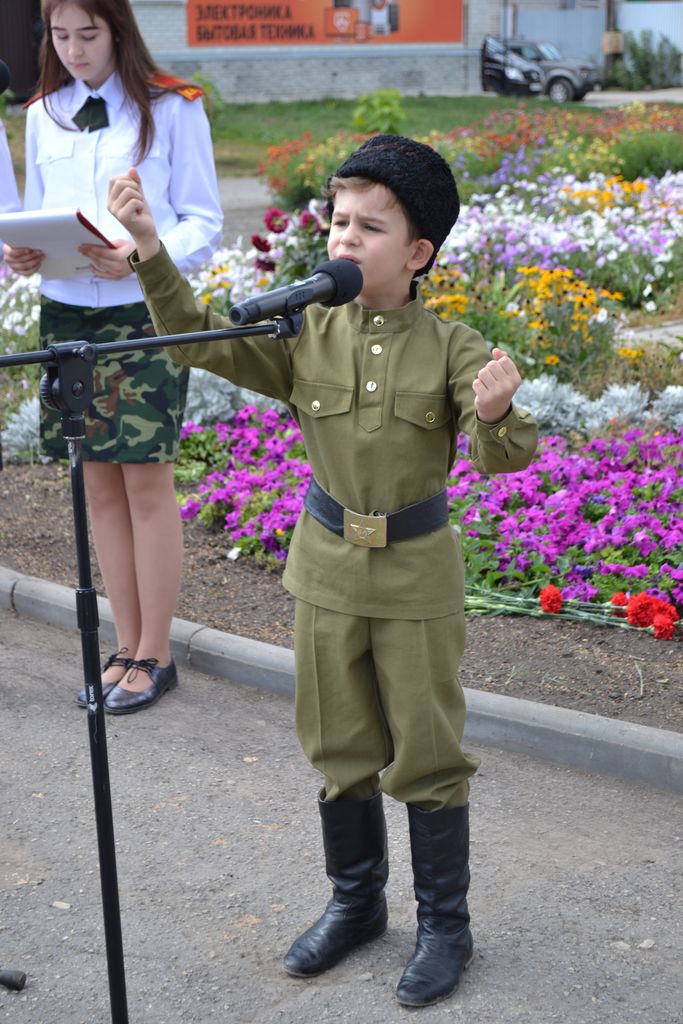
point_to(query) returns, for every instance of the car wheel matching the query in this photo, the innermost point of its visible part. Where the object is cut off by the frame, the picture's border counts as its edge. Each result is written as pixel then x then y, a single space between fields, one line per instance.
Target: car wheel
pixel 561 90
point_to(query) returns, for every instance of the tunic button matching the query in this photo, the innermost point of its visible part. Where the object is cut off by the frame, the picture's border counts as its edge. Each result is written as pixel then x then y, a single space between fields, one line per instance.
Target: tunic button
pixel 315 406
pixel 376 350
pixel 378 320
pixel 502 432
pixel 430 417
pixel 371 385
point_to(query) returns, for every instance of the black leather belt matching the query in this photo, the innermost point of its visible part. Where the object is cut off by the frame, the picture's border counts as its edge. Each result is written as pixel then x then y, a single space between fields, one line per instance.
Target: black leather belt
pixel 378 529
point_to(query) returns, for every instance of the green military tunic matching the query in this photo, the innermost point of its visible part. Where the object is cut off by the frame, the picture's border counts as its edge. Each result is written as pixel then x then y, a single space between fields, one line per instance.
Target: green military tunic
pixel 380 396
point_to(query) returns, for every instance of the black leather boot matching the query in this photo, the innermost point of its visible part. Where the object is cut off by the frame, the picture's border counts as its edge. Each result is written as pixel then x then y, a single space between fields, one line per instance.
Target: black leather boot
pixel 439 842
pixel 355 841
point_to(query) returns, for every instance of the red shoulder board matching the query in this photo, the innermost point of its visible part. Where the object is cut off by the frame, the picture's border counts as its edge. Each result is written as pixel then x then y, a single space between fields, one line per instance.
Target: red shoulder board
pixel 169 83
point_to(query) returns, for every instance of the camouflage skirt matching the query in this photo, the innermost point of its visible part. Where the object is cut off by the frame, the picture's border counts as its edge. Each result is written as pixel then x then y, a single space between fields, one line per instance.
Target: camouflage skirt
pixel 139 398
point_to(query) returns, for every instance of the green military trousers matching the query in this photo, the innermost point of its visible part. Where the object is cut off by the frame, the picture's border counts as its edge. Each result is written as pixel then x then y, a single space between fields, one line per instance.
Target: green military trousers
pixel 382 696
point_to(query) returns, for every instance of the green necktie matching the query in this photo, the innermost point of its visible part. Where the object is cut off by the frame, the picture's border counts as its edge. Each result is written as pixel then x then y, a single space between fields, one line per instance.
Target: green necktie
pixel 92 115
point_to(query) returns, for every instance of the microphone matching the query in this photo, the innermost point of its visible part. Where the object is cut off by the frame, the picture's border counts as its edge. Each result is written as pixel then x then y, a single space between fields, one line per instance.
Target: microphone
pixel 4 76
pixel 333 283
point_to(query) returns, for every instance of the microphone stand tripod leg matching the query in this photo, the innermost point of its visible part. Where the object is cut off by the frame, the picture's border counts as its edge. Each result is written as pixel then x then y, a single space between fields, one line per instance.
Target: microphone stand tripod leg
pixel 88 623
pixel 69 388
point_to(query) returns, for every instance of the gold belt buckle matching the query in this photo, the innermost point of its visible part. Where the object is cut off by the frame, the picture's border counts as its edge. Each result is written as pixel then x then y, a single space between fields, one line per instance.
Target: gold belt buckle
pixel 366 531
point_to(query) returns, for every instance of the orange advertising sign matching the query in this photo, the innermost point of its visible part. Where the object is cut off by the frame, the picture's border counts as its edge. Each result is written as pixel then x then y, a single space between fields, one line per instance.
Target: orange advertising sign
pixel 305 22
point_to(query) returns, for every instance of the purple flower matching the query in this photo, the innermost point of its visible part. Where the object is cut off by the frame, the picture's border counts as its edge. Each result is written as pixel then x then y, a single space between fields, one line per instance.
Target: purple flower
pixel 597 519
pixel 190 428
pixel 190 509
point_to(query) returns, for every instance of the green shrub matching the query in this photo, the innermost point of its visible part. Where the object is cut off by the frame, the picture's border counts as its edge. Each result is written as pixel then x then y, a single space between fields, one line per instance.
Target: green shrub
pixel 379 111
pixel 645 66
pixel 648 154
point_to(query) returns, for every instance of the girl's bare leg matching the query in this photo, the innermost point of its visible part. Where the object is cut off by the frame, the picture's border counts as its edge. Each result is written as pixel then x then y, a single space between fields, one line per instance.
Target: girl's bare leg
pixel 113 538
pixel 158 547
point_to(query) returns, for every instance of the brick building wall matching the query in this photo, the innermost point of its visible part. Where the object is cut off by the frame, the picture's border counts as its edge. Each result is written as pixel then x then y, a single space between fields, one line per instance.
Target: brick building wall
pixel 260 73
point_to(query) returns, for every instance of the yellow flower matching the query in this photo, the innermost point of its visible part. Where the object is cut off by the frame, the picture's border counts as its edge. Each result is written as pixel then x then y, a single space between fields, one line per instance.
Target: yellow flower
pixel 630 353
pixel 552 360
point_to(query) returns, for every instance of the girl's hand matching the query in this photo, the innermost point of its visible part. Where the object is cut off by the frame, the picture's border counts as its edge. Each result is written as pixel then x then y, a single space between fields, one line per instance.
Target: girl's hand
pixel 494 386
pixel 112 264
pixel 126 201
pixel 23 261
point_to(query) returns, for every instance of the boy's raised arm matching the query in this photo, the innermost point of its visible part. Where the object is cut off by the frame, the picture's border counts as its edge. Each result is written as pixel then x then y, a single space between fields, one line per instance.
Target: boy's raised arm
pixel 126 201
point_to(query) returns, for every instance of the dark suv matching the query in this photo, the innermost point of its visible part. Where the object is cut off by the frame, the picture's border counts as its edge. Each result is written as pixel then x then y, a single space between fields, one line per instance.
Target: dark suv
pixel 506 73
pixel 566 78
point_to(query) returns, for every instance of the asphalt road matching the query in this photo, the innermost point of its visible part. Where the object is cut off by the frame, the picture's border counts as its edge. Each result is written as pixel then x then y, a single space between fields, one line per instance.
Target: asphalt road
pixel 618 97
pixel 576 878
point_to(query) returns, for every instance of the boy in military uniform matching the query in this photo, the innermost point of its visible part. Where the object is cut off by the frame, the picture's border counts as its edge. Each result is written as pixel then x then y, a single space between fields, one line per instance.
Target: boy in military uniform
pixel 380 387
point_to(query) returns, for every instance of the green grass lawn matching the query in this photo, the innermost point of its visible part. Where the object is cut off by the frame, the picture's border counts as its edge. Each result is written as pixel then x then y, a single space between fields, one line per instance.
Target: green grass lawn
pixel 243 131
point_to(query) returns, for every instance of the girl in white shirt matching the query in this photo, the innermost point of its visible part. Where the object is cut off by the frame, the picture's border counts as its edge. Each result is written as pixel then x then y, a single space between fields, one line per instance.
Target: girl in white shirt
pixel 103 106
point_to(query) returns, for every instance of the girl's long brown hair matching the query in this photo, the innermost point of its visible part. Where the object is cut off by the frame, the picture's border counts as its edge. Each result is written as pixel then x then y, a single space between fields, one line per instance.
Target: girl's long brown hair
pixel 134 62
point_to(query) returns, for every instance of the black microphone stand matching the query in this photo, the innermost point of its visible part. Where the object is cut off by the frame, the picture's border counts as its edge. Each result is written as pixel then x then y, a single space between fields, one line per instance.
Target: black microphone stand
pixel 68 386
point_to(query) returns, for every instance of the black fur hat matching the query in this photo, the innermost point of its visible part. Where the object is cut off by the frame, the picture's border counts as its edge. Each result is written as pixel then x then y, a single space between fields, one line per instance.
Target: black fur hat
pixel 417 175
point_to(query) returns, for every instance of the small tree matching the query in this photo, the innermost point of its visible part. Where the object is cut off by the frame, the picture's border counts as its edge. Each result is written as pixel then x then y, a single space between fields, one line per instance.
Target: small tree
pixel 646 66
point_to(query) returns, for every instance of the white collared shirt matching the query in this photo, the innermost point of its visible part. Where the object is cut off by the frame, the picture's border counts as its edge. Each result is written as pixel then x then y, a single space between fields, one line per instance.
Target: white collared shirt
pixel 72 168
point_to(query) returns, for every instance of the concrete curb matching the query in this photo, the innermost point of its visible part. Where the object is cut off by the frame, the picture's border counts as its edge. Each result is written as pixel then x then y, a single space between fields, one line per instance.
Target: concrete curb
pixel 590 742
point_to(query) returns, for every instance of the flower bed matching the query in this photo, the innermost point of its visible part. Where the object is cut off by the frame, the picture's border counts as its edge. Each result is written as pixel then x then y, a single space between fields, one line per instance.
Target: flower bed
pixel 595 522
pixel 19 315
pixel 556 242
pixel 546 269
pixel 634 140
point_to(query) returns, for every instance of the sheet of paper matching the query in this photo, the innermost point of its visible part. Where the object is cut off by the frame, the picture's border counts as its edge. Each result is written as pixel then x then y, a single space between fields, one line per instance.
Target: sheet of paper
pixel 58 233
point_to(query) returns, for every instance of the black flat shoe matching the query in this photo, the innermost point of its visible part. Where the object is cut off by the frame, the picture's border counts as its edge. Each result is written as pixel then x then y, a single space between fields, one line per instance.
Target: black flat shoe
pixel 124 702
pixel 114 659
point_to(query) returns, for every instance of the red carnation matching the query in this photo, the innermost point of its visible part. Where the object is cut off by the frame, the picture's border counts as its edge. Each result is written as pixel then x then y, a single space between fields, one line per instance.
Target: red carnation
pixel 668 609
pixel 619 600
pixel 641 610
pixel 551 599
pixel 664 626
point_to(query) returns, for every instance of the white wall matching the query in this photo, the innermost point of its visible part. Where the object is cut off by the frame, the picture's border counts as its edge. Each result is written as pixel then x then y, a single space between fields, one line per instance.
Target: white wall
pixel 577 32
pixel 665 19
